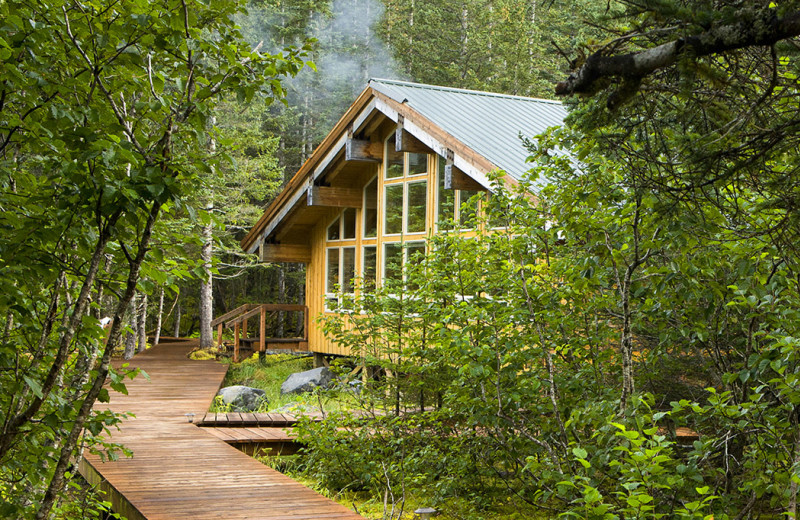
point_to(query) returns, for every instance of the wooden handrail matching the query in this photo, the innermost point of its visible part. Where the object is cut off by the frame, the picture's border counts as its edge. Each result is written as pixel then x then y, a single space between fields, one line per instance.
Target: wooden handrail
pixel 266 307
pixel 237 319
pixel 238 310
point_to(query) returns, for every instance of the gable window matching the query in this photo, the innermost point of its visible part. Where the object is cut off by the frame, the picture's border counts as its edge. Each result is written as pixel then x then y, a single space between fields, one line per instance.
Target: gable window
pixel 344 227
pixel 403 164
pixel 417 164
pixel 393 169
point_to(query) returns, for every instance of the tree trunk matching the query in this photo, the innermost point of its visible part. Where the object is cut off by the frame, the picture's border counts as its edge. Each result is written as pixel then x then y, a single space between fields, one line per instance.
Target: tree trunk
pixel 178 321
pixel 206 315
pixel 56 486
pixel 130 336
pixel 8 326
pixel 160 315
pixel 626 343
pixel 142 324
pixel 12 428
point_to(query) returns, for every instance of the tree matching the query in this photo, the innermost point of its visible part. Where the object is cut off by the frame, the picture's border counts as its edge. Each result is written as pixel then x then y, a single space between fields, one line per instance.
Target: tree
pixel 695 100
pixel 102 110
pixel 508 46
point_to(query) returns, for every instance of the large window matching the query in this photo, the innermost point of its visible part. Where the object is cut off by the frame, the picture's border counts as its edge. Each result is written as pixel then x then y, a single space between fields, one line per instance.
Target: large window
pixel 369 268
pixel 405 207
pixel 393 209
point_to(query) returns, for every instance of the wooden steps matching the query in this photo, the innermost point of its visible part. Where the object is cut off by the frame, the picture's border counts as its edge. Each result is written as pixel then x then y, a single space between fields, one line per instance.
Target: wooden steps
pixel 182 471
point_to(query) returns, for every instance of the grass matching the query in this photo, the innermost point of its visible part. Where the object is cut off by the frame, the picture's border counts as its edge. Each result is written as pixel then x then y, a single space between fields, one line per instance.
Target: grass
pixel 269 374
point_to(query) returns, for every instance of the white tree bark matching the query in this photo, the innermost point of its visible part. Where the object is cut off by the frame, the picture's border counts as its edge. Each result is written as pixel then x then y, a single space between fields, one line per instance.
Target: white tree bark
pixel 160 316
pixel 130 337
pixel 141 323
pixel 178 321
pixel 206 337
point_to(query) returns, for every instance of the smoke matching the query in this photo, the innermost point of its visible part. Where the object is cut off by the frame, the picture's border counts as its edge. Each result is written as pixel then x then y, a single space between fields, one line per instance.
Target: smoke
pixel 349 51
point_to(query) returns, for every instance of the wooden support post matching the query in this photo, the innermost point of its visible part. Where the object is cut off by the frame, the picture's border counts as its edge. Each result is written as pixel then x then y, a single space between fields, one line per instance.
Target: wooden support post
pixel 305 325
pixel 244 329
pixel 262 330
pixel 236 342
pixel 330 197
pixel 320 361
pixel 219 334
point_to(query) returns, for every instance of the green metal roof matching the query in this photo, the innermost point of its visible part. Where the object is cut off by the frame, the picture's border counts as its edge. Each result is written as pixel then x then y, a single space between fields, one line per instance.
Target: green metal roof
pixel 490 124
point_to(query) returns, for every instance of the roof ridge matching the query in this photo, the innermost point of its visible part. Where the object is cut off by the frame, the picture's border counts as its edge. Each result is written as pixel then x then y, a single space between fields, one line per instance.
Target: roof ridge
pixel 460 90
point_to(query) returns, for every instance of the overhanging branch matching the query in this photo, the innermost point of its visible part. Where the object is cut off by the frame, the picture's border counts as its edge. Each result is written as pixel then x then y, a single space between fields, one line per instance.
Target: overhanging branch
pixel 756 28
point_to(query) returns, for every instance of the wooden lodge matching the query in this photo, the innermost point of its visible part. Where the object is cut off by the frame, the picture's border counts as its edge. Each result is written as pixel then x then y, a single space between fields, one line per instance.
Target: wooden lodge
pixel 404 157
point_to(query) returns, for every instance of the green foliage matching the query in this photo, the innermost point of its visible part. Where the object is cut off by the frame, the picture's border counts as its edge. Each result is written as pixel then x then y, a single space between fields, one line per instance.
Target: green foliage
pixel 502 359
pixel 103 112
pixel 508 46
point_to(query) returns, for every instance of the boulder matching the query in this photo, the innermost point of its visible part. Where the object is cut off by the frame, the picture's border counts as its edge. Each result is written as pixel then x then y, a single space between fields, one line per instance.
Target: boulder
pixel 243 398
pixel 307 381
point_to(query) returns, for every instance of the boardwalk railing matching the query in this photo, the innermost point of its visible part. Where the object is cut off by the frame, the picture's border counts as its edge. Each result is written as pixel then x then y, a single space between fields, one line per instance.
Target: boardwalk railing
pixel 275 321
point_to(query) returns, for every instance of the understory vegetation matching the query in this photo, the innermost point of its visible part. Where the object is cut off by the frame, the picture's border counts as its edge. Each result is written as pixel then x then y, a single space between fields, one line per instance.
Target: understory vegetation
pixel 550 362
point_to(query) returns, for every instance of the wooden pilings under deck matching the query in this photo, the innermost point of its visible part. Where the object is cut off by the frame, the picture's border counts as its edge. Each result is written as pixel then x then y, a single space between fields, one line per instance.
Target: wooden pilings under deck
pixel 181 471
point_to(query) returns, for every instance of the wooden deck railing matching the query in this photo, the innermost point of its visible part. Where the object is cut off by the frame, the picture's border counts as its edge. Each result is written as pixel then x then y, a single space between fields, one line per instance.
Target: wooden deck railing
pixel 238 320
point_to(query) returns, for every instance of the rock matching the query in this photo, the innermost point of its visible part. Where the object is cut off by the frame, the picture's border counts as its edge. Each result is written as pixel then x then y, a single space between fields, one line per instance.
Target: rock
pixel 307 381
pixel 243 398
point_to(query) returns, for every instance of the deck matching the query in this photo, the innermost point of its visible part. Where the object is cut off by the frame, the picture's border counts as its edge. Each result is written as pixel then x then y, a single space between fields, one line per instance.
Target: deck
pixel 180 470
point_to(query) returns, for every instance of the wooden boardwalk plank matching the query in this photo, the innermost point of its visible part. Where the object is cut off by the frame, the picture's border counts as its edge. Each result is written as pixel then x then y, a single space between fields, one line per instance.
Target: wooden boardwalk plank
pixel 180 470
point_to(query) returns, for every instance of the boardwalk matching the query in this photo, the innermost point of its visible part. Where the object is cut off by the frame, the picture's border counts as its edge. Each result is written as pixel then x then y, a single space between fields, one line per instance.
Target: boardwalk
pixel 182 471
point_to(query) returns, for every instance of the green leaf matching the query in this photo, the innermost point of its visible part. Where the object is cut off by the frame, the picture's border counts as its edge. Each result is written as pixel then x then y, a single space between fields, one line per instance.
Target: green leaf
pixel 35 387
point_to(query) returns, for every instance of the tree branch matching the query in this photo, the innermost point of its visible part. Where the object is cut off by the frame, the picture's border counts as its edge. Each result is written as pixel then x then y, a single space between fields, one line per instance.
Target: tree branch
pixel 756 28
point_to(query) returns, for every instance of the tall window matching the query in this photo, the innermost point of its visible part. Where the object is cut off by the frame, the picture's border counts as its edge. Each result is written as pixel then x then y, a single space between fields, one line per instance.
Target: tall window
pixel 340 258
pixel 371 209
pixel 405 191
pixel 340 274
pixel 344 227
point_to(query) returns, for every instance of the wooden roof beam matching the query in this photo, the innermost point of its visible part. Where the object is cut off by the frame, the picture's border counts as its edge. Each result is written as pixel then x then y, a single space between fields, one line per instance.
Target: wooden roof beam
pixel 405 142
pixel 331 197
pixel 362 150
pixel 295 253
pixel 455 179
